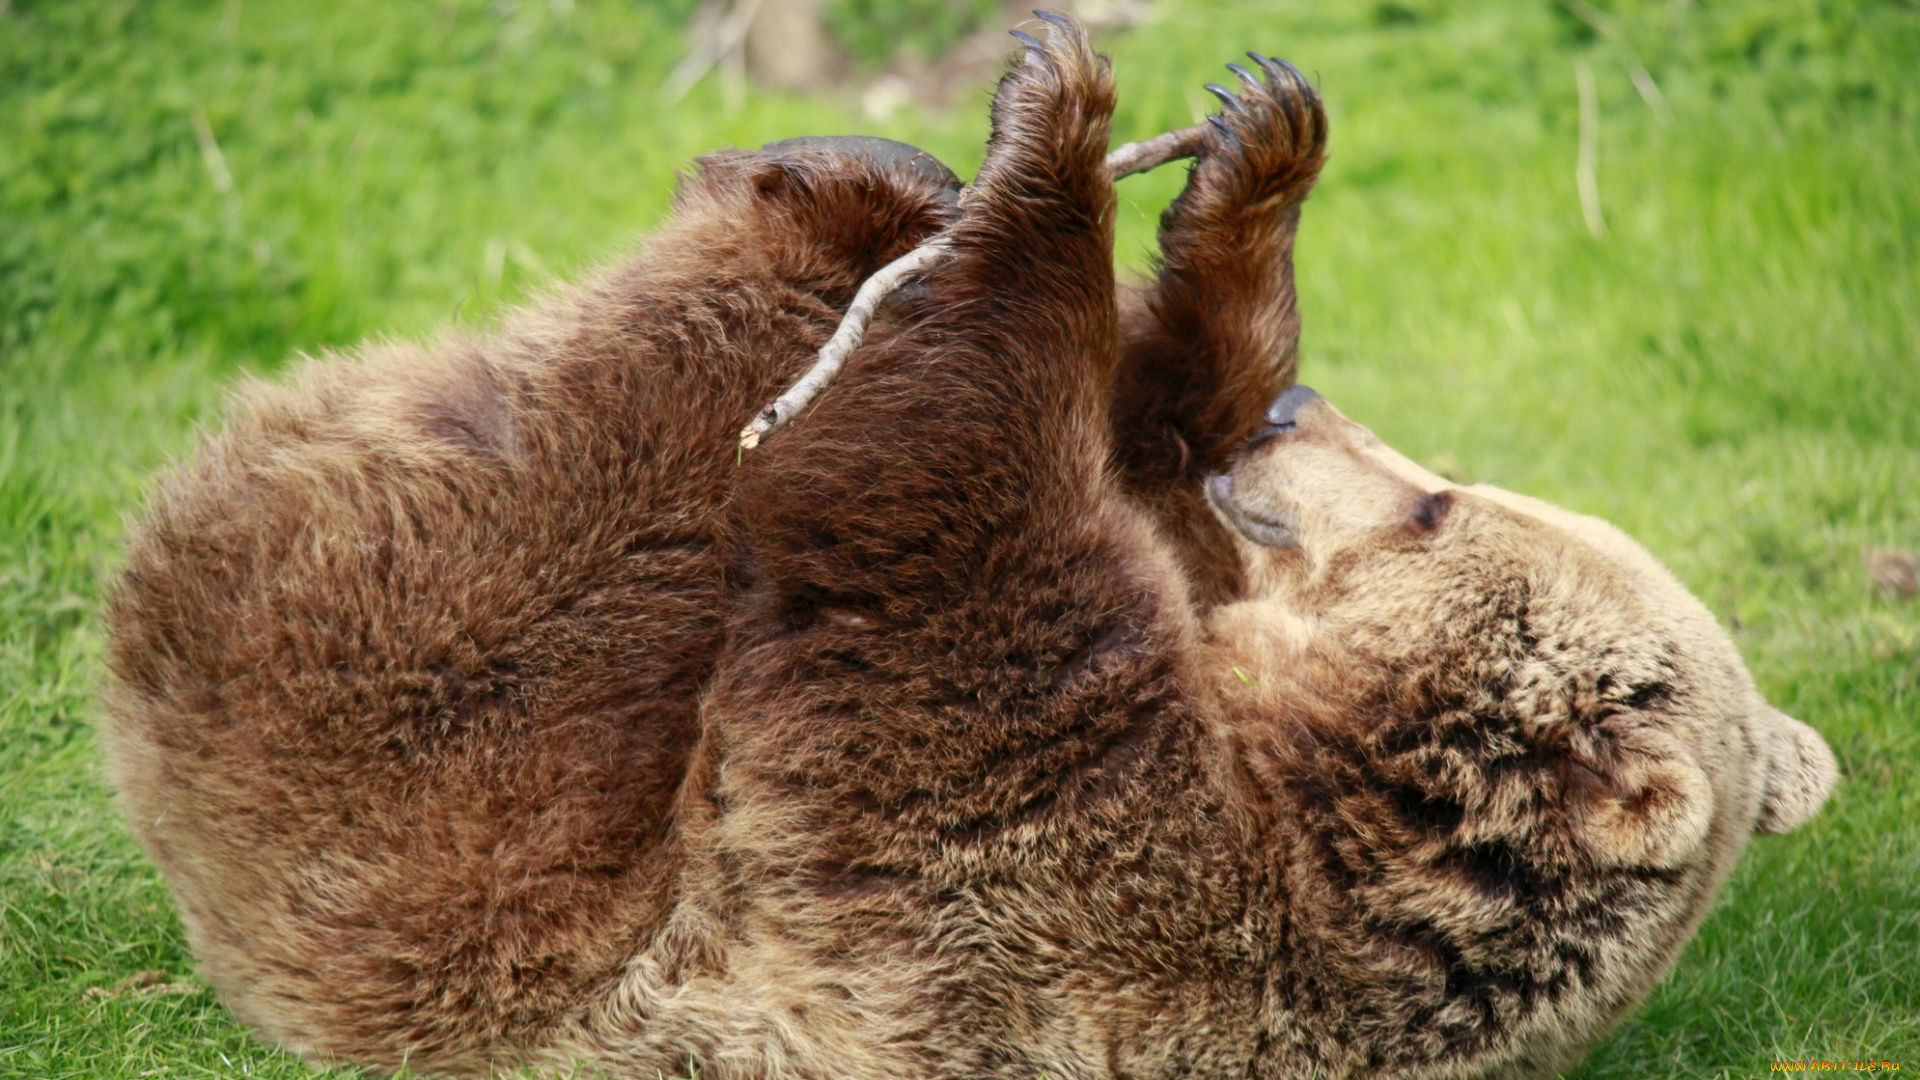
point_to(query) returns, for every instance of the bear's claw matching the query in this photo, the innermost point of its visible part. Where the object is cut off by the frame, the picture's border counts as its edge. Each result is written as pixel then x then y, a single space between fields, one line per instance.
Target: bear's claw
pixel 1270 142
pixel 1274 67
pixel 1053 104
pixel 1057 20
pixel 1228 99
pixel 1247 78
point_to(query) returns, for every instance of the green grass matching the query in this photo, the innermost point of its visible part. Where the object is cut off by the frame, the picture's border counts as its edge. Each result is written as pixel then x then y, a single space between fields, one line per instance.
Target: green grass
pixel 1733 374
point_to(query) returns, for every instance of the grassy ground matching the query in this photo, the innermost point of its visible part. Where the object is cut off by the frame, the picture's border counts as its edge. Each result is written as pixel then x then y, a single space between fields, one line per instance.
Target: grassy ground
pixel 1733 373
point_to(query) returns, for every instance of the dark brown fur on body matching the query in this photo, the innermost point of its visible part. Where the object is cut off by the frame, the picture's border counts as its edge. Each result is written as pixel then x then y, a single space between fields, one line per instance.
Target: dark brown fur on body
pixel 478 708
pixel 410 660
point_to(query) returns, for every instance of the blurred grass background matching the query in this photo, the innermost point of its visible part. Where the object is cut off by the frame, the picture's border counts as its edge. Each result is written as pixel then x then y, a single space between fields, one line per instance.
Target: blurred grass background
pixel 1732 373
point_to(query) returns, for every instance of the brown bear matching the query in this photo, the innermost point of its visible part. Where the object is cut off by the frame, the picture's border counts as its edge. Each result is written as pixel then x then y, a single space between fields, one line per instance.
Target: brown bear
pixel 480 707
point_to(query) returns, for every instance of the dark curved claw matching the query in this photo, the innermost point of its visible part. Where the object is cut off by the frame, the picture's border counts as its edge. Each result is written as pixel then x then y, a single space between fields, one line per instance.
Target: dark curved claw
pixel 1225 129
pixel 1276 68
pixel 1248 77
pixel 1227 97
pixel 1059 21
pixel 1029 41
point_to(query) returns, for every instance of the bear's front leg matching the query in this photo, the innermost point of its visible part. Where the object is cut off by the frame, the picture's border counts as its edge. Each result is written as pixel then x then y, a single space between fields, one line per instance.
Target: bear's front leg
pixel 1211 340
pixel 959 813
pixel 935 552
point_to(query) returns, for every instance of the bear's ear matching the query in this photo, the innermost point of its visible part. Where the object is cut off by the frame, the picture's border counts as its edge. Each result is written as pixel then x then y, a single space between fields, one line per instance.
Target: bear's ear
pixel 1641 808
pixel 1799 772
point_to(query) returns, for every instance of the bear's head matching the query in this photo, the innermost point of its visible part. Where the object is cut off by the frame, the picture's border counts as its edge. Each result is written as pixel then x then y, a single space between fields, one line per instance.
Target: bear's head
pixel 1506 629
pixel 1504 758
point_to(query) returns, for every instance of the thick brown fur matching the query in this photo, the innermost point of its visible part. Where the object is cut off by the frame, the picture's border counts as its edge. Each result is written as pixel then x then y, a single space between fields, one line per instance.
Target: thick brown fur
pixel 480 709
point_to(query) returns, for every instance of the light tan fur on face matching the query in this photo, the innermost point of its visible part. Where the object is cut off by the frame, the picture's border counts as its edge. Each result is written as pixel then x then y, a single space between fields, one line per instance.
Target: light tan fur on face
pixel 1349 498
pixel 1523 752
pixel 1568 642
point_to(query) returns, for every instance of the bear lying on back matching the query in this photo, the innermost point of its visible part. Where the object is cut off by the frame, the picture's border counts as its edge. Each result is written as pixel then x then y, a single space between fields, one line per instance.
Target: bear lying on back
pixel 1041 703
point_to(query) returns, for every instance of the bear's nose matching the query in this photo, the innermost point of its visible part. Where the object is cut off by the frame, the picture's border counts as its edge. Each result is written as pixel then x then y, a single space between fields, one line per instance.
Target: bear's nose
pixel 1282 414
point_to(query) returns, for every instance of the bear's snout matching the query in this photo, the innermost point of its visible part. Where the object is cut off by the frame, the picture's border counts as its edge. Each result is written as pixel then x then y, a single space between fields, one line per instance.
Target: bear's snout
pixel 1260 529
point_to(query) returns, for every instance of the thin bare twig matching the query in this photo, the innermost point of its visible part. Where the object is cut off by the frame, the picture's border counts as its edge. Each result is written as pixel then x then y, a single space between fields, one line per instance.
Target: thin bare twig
pixel 1129 159
pixel 845 339
pixel 1139 157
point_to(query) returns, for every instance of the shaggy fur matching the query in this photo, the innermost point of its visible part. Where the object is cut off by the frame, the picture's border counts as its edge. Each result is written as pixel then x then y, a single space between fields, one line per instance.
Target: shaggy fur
pixel 480 709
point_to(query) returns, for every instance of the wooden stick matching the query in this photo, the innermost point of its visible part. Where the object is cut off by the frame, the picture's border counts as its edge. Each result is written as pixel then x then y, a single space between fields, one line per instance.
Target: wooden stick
pixel 845 339
pixel 1139 157
pixel 1126 161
